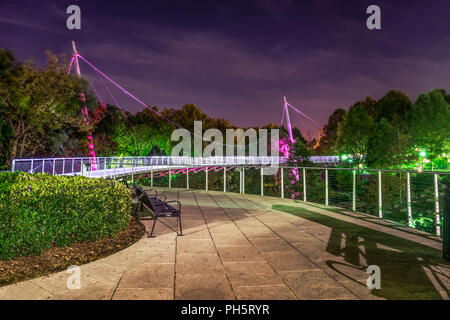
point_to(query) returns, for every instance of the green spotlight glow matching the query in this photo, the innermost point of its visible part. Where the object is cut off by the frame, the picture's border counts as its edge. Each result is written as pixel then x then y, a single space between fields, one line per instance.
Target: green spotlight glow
pixel 423 154
pixel 344 157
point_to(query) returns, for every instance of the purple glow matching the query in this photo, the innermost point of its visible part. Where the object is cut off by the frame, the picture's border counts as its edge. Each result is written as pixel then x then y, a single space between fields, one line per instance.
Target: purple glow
pixel 298 111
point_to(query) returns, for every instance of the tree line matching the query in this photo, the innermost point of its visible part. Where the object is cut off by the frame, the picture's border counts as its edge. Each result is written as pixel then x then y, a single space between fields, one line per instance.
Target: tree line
pixel 40 117
pixel 392 132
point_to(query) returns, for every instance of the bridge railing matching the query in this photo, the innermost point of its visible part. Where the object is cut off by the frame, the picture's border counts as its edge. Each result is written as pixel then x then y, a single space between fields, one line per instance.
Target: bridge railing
pixel 410 198
pixel 81 165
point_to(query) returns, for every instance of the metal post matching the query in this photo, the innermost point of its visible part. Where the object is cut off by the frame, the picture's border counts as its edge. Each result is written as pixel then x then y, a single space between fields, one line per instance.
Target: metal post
pixel 304 184
pixel 53 166
pixel 240 180
pixel 354 191
pixel 436 201
pixel 380 196
pixel 206 178
pixel 64 166
pixel 282 183
pixel 187 178
pixel 32 165
pixel 408 191
pixel 224 179
pixel 43 165
pixel 132 171
pixel 170 177
pixel 326 187
pixel 151 178
pixel 262 180
pixel 243 180
pixel 14 166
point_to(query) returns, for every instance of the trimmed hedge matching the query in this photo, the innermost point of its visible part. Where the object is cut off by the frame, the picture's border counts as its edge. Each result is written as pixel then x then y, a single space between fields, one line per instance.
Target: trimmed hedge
pixel 58 211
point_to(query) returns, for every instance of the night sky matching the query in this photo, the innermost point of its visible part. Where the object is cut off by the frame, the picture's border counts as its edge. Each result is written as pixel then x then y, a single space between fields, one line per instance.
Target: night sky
pixel 237 60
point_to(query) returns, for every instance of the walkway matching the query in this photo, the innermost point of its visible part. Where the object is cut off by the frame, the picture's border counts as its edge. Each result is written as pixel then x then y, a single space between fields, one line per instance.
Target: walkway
pixel 238 247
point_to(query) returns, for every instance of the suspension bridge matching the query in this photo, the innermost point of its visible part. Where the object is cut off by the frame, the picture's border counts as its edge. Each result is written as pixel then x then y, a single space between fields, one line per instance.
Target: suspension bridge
pixel 110 167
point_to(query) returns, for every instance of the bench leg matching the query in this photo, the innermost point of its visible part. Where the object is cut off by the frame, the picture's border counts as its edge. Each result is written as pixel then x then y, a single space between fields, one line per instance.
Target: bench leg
pixel 153 227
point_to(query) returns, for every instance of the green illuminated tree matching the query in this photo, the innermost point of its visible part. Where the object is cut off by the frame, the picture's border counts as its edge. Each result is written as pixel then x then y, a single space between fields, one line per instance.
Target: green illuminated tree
pixel 429 126
pixel 354 132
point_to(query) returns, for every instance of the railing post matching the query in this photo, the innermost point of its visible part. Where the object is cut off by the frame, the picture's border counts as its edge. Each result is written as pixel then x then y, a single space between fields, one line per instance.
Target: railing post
pixel 380 196
pixel 240 180
pixel 53 166
pixel 64 166
pixel 304 184
pixel 408 199
pixel 170 177
pixel 282 183
pixel 436 201
pixel 13 166
pixel 187 178
pixel 151 177
pixel 132 171
pixel 326 187
pixel 354 191
pixel 224 179
pixel 206 178
pixel 262 180
pixel 243 180
pixel 32 165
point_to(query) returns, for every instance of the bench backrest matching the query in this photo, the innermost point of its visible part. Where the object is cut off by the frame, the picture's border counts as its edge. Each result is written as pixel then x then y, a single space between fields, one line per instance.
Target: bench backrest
pixel 145 199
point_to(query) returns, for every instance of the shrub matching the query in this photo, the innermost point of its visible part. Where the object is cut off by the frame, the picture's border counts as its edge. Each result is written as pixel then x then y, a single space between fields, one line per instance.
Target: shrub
pixel 58 211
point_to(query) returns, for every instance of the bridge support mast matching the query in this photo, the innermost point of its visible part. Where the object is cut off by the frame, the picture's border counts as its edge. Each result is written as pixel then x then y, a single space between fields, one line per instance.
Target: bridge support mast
pixel 84 110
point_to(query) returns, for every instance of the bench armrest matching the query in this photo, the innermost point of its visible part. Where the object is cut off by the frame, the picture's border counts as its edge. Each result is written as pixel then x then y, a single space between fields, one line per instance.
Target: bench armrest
pixel 178 202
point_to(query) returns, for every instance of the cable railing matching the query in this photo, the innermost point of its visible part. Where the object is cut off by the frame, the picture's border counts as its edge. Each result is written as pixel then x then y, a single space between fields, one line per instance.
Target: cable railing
pixel 84 165
pixel 409 198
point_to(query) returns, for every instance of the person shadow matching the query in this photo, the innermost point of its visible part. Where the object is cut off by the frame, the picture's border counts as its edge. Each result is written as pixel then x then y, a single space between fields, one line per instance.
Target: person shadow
pixel 409 269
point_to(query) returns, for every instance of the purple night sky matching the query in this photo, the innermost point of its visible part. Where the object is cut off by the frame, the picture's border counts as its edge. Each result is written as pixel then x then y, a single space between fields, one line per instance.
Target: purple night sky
pixel 237 60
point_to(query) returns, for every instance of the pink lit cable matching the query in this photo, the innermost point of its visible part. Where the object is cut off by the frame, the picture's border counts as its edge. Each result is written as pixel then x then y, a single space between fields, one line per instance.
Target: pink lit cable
pixel 298 111
pixel 137 99
pixel 112 96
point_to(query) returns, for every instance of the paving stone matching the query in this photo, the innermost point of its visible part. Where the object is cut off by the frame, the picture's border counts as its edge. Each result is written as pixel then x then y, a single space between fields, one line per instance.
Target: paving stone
pixel 248 267
pixel 288 261
pixel 239 254
pixel 202 287
pixel 24 291
pixel 195 246
pixel 271 245
pixel 314 285
pixel 199 264
pixel 149 275
pixel 223 239
pixel 143 294
pixel 100 290
pixel 264 293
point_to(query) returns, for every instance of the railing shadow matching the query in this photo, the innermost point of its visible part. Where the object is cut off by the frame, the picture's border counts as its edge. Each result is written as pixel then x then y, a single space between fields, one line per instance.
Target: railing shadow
pixel 403 263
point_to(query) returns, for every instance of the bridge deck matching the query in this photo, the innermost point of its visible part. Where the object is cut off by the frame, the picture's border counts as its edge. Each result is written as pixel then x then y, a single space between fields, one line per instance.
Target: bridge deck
pixel 252 247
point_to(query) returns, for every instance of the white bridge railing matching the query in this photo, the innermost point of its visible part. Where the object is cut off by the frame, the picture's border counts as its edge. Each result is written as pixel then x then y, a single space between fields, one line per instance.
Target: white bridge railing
pixel 95 167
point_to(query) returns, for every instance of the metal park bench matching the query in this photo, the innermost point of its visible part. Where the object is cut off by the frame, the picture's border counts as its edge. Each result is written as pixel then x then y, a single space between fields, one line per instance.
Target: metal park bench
pixel 138 191
pixel 161 209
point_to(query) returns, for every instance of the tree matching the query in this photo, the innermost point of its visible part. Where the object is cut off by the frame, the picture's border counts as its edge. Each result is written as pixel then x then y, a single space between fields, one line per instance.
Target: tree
pixel 393 106
pixel 38 104
pixel 380 149
pixel 429 126
pixel 327 143
pixel 354 132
